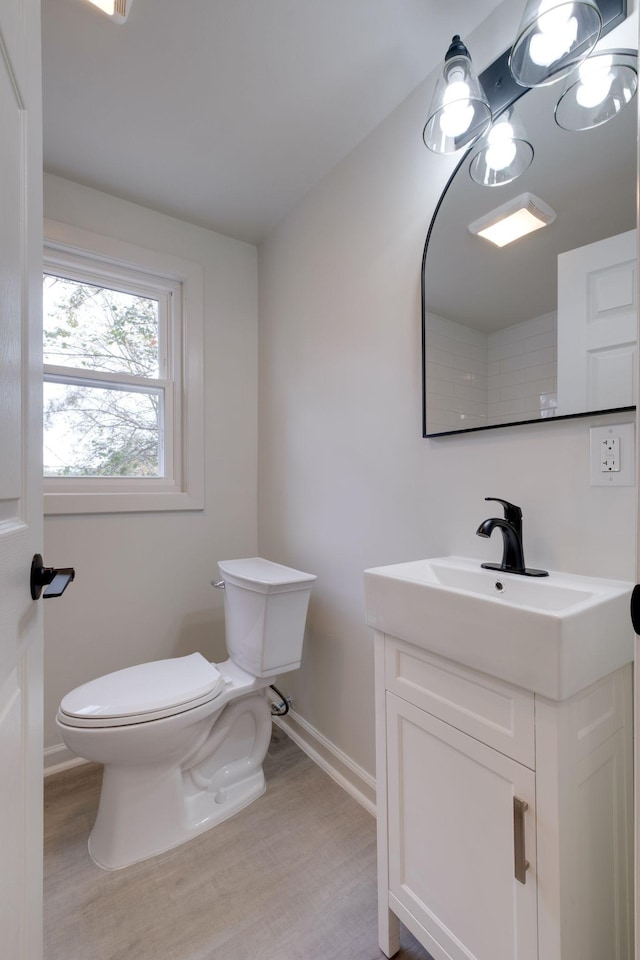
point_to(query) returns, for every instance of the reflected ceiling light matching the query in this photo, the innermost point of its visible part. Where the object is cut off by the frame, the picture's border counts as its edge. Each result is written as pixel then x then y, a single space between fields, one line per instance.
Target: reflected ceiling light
pixel 553 38
pixel 118 10
pixel 603 85
pixel 506 153
pixel 459 113
pixel 513 220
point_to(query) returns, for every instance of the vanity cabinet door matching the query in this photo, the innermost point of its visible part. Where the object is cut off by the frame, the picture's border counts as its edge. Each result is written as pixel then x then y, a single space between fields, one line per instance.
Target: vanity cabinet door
pixel 451 840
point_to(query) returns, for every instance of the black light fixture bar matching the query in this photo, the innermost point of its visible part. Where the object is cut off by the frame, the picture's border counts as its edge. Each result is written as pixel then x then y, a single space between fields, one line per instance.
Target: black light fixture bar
pixel 500 87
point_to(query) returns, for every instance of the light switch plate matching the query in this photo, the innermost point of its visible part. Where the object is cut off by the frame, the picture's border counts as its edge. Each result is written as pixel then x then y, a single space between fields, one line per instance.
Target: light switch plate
pixel 619 439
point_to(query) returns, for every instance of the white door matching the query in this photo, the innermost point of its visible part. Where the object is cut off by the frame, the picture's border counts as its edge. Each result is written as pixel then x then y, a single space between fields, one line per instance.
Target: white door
pixel 451 839
pixel 597 325
pixel 20 471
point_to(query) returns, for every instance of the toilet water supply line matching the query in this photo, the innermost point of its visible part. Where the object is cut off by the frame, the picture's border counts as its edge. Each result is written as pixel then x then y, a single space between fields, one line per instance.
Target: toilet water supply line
pixel 277 709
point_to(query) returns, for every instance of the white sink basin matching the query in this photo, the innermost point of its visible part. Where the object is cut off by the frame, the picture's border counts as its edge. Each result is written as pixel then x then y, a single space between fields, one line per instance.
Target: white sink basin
pixel 553 635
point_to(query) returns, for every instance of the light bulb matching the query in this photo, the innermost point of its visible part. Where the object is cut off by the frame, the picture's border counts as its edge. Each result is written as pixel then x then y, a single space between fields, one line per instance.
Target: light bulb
pixel 456 119
pixel 501 148
pixel 501 156
pixel 592 66
pixel 455 91
pixel 556 38
pixel 502 130
pixel 553 16
pixel 457 115
pixel 545 48
pixel 595 82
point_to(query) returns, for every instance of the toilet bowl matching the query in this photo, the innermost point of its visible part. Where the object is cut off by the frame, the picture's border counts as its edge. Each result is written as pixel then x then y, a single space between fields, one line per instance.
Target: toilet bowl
pixel 182 740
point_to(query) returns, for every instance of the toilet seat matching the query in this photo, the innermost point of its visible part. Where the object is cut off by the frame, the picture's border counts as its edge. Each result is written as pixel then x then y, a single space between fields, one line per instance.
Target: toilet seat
pixel 148 691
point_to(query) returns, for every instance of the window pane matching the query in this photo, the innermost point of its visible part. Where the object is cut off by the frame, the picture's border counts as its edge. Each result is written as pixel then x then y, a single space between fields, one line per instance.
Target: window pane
pixel 99 329
pixel 101 431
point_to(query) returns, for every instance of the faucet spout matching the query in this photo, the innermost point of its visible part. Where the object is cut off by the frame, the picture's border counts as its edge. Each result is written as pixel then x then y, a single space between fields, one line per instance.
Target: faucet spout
pixel 512 553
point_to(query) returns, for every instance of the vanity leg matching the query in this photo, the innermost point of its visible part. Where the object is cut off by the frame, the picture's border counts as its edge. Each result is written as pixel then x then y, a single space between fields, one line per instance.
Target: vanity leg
pixel 388 931
pixel 388 923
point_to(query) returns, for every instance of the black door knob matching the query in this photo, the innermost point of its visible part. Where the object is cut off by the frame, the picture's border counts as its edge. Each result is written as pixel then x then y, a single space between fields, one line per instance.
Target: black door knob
pixel 55 580
pixel 635 608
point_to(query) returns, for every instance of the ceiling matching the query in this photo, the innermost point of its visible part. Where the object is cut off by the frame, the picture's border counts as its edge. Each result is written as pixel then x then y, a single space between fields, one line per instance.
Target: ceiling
pixel 226 112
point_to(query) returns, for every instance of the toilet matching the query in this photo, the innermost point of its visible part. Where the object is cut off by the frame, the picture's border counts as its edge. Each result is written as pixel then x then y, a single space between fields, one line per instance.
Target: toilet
pixel 182 740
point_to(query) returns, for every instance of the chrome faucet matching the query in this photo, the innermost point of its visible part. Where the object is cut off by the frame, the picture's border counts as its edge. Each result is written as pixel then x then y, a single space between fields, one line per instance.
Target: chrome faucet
pixel 512 550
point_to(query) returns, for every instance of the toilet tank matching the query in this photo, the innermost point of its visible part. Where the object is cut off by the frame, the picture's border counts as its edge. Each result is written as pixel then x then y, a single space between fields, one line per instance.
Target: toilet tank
pixel 265 609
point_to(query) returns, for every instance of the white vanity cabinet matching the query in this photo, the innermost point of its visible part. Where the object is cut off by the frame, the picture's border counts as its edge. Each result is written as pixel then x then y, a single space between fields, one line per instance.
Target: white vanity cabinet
pixel 480 780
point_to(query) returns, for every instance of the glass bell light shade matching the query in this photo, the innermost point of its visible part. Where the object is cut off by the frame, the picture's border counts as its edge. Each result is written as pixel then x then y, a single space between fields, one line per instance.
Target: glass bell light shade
pixel 553 38
pixel 505 154
pixel 598 91
pixel 459 113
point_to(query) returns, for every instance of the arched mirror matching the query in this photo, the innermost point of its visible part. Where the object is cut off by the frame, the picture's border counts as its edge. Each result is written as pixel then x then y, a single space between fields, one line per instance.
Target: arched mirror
pixel 544 327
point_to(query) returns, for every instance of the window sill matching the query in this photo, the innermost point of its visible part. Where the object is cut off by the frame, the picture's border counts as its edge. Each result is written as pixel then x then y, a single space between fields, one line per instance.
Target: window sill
pixel 144 501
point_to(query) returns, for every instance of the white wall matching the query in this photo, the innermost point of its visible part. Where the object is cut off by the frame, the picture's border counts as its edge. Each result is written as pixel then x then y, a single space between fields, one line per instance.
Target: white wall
pixel 346 480
pixel 142 580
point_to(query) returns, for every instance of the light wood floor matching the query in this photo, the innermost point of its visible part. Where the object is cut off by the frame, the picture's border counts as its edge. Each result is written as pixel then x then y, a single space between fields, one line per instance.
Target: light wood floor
pixel 291 877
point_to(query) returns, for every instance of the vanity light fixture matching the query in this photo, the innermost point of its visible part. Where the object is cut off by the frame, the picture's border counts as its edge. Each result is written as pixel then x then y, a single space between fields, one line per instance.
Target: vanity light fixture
pixel 513 220
pixel 117 10
pixel 603 85
pixel 505 155
pixel 554 36
pixel 459 113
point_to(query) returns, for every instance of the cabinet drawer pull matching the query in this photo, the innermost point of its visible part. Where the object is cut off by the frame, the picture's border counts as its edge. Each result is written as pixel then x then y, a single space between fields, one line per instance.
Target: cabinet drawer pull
pixel 521 864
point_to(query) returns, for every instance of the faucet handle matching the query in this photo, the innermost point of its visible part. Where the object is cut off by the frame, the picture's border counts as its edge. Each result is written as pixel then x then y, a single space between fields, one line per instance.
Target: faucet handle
pixel 512 513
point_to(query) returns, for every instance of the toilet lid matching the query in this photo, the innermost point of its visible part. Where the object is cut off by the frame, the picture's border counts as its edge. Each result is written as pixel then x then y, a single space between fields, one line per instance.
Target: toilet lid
pixel 145 689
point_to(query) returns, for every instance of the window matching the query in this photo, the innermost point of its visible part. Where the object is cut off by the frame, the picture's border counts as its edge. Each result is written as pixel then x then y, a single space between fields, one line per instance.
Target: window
pixel 122 366
pixel 107 362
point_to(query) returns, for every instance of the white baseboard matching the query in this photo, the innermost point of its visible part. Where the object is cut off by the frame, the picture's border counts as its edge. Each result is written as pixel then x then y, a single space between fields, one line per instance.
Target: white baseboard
pixel 59 758
pixel 349 775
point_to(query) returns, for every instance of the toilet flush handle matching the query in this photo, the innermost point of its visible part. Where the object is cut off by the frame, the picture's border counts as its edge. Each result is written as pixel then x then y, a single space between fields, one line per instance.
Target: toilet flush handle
pixel 218 584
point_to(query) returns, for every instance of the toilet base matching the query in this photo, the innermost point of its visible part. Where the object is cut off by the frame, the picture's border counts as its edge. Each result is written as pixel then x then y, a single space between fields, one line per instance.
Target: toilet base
pixel 149 809
pixel 105 855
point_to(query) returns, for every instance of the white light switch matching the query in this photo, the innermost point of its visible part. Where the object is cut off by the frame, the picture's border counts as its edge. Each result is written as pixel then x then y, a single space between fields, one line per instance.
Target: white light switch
pixel 612 455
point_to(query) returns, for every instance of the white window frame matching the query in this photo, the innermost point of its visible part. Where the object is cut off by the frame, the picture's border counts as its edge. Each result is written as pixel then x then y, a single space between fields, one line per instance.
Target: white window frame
pixel 84 255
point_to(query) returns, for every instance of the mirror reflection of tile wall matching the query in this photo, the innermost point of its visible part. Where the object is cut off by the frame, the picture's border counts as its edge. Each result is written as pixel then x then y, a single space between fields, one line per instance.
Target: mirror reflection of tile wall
pixel 522 371
pixel 475 378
